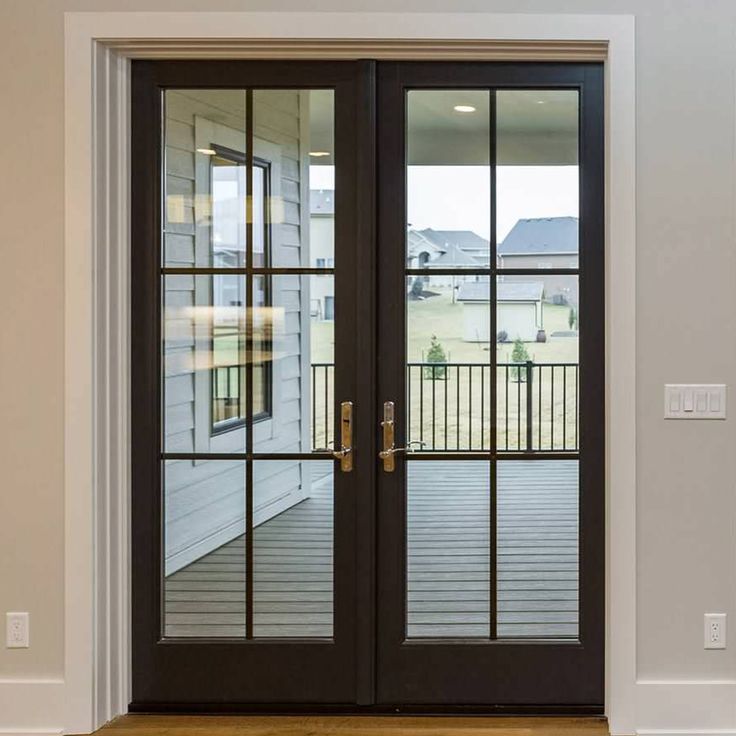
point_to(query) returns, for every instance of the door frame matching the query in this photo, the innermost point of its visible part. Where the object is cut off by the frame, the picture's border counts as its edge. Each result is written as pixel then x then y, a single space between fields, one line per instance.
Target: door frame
pixel 95 685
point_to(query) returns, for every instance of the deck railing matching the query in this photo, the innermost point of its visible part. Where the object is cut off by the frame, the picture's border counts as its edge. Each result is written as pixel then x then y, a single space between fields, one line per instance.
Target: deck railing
pixel 450 406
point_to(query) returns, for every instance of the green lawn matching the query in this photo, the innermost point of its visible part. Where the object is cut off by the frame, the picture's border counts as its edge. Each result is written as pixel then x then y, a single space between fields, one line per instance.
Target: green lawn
pixel 459 397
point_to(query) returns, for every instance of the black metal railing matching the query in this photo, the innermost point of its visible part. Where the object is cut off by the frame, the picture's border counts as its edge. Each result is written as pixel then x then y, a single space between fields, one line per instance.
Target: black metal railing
pixel 449 406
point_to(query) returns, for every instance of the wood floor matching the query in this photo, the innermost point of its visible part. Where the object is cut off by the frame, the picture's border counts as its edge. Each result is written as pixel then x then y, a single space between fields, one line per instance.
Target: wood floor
pixel 448 560
pixel 351 726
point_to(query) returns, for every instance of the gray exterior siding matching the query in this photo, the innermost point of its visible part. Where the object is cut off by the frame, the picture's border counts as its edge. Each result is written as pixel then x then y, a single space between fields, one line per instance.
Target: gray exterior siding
pixel 204 501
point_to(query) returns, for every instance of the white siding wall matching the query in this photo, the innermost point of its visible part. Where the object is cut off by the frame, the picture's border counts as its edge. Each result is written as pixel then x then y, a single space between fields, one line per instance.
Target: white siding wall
pixel 204 502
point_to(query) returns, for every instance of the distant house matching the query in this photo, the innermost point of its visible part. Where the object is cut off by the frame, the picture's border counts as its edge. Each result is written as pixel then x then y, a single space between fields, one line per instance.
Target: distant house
pixel 520 312
pixel 322 251
pixel 425 246
pixel 544 242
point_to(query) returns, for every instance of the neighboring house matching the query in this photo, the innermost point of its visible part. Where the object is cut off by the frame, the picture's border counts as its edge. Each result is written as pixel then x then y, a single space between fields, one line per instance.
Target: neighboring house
pixel 437 249
pixel 520 312
pixel 420 250
pixel 544 242
pixel 322 251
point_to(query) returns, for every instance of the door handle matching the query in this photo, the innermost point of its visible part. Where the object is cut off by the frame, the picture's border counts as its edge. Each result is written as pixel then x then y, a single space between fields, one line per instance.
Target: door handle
pixel 345 453
pixel 386 455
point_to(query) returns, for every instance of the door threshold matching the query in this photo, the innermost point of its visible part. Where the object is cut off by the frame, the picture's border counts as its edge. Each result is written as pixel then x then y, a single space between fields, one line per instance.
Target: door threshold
pixel 296 709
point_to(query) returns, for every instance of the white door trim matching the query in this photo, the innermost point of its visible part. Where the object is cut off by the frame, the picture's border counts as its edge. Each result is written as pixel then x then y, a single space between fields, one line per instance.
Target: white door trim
pixel 98 46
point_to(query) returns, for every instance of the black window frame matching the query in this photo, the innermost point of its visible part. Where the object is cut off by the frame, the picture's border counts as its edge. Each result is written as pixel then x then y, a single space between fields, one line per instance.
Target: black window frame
pixel 228 425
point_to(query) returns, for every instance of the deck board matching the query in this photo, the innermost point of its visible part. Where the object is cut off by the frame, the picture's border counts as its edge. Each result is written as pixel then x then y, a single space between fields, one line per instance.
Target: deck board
pixel 448 517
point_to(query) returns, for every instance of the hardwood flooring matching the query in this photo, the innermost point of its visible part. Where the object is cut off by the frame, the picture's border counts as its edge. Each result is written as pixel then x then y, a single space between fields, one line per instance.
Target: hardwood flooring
pixel 140 725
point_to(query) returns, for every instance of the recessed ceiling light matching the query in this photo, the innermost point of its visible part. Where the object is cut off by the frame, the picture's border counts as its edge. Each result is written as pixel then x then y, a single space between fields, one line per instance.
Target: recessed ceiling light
pixel 207 151
pixel 540 102
pixel 319 154
pixel 463 108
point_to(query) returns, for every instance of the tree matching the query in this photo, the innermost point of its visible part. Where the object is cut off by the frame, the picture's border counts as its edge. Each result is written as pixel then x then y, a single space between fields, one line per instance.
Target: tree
pixel 572 318
pixel 519 354
pixel 436 354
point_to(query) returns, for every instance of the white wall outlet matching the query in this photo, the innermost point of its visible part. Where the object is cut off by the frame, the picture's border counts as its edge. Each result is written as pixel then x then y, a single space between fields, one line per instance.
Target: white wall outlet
pixel 17 630
pixel 695 401
pixel 715 631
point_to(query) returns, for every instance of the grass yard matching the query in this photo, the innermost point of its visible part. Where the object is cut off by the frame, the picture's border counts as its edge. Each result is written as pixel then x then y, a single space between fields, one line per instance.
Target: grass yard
pixel 453 413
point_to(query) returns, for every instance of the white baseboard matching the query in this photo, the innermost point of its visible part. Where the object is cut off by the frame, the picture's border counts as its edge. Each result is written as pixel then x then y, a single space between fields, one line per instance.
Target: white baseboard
pixel 687 707
pixel 696 732
pixel 32 707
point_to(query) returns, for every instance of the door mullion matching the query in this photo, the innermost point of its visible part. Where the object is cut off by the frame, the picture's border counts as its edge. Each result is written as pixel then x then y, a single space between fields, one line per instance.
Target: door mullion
pixel 493 515
pixel 249 363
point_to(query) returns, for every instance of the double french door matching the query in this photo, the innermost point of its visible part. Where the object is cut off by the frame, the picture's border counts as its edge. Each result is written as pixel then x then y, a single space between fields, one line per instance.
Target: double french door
pixel 367 386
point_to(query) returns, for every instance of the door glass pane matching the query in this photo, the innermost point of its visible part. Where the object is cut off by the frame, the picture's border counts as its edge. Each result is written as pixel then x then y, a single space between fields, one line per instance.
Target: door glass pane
pixel 449 362
pixel 448 558
pixel 296 334
pixel 537 178
pixel 293 548
pixel 538 377
pixel 204 548
pixel 204 357
pixel 204 178
pixel 294 142
pixel 538 548
pixel 448 179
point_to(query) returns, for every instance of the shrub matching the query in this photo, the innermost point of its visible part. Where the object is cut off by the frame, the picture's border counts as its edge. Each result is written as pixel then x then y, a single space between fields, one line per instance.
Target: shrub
pixel 572 318
pixel 502 336
pixel 519 355
pixel 435 354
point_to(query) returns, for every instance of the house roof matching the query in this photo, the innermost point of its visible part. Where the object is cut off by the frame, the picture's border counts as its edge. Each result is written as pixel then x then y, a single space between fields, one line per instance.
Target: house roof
pixel 417 243
pixel 322 201
pixel 506 291
pixel 455 256
pixel 465 239
pixel 541 235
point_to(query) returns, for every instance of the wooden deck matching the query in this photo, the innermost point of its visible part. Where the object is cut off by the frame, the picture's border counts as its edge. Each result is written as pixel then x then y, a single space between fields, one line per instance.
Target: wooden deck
pixel 448 545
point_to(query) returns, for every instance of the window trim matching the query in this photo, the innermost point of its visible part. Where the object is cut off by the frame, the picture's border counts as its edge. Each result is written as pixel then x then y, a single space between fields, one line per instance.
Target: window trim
pixel 228 425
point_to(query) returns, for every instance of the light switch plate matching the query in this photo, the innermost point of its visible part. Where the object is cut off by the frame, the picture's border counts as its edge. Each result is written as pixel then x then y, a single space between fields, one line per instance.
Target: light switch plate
pixel 695 401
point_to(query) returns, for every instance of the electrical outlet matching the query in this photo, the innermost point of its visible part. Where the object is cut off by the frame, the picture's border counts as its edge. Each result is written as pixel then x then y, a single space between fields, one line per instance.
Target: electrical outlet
pixel 17 633
pixel 715 631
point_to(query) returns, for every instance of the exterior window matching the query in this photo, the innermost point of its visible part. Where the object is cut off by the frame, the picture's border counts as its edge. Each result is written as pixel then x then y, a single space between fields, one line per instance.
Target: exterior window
pixel 228 177
pixel 321 262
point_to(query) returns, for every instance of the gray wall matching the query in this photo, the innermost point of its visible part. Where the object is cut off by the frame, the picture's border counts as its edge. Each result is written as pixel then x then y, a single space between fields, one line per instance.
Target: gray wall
pixel 686 318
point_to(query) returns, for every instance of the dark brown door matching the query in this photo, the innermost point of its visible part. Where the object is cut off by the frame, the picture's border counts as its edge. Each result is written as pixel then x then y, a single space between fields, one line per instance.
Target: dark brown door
pixel 247 256
pixel 337 259
pixel 490 524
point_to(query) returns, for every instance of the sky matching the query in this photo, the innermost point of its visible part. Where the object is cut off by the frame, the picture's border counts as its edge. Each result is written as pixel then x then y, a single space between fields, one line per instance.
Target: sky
pixel 457 197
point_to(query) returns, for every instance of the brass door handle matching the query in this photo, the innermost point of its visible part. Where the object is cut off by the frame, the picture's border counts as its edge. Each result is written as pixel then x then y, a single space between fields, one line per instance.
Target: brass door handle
pixel 345 453
pixel 386 455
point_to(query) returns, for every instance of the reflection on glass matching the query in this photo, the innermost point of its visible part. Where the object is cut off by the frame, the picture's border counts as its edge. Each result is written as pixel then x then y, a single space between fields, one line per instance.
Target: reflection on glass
pixel 205 179
pixel 537 178
pixel 293 133
pixel 537 378
pixel 448 371
pixel 448 558
pixel 293 549
pixel 448 179
pixel 204 359
pixel 204 549
pixel 298 349
pixel 538 548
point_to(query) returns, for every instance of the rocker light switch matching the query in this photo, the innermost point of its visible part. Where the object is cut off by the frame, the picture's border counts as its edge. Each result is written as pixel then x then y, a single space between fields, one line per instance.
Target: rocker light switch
pixel 695 401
